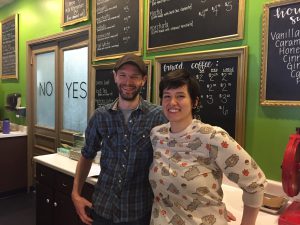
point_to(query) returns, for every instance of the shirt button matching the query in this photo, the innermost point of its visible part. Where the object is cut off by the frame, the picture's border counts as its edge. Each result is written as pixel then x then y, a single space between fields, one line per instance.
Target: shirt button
pixel 120 181
pixel 144 136
pixel 125 150
pixel 130 121
pixel 124 165
pixel 125 135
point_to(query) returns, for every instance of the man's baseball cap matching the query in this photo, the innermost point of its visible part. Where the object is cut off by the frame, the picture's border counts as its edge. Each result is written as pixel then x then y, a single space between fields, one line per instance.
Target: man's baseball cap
pixel 131 59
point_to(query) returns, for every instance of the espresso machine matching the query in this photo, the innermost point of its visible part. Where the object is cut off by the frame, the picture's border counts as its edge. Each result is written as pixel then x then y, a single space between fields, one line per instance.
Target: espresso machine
pixel 291 180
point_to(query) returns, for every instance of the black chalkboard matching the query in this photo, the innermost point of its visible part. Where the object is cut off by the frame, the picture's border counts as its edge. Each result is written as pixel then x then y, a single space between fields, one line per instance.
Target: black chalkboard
pixel 74 11
pixel 220 79
pixel 9 47
pixel 281 55
pixel 117 28
pixel 106 90
pixel 176 23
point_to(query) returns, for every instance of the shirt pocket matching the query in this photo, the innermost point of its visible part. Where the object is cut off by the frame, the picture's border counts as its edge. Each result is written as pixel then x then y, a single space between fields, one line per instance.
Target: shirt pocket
pixel 143 145
pixel 109 144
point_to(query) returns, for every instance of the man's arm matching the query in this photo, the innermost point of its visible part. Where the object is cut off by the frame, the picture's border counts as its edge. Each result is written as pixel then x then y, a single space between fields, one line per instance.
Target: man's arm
pixel 80 203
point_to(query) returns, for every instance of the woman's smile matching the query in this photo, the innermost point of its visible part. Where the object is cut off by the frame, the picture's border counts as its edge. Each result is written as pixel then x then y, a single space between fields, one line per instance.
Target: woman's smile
pixel 177 107
pixel 172 110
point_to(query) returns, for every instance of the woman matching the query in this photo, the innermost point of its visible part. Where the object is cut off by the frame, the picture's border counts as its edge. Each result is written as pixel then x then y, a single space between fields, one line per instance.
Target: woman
pixel 190 158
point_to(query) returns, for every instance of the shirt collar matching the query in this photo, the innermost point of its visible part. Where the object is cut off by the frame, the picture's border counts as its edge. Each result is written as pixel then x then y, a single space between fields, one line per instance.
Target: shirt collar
pixel 115 105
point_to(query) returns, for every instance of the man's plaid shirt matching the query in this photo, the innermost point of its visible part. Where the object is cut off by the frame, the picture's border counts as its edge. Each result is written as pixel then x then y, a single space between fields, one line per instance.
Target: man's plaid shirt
pixel 123 192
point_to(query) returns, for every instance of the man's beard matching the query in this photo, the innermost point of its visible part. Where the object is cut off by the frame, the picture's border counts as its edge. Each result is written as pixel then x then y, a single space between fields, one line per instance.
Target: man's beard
pixel 130 97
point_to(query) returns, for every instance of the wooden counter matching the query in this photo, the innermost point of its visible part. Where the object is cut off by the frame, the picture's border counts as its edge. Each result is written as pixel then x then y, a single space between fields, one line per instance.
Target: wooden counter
pixel 54 182
pixel 66 165
pixel 13 163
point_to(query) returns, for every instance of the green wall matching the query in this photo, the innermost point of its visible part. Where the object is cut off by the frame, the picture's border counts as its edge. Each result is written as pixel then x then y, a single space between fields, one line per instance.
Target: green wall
pixel 267 128
pixel 37 18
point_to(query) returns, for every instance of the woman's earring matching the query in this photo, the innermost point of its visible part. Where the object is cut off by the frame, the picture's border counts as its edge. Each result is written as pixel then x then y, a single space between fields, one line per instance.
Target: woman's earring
pixel 196 103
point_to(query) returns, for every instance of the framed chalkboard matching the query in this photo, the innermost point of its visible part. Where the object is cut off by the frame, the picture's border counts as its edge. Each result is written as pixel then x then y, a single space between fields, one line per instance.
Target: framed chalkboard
pixel 222 75
pixel 117 28
pixel 9 47
pixel 280 73
pixel 74 11
pixel 104 89
pixel 173 24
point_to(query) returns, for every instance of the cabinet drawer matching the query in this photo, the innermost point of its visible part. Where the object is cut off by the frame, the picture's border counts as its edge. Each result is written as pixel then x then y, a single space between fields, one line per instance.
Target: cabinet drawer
pixel 45 174
pixel 63 183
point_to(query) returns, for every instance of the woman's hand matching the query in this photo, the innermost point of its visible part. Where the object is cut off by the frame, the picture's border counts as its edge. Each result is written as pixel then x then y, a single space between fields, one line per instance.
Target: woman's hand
pixel 230 217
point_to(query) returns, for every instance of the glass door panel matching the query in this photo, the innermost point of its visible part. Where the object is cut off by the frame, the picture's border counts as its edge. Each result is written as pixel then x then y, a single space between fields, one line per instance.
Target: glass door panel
pixel 45 90
pixel 44 64
pixel 75 90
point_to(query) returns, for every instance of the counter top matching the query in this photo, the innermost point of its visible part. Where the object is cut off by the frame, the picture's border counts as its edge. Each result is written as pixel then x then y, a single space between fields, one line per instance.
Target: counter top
pixel 234 204
pixel 13 134
pixel 232 194
pixel 66 165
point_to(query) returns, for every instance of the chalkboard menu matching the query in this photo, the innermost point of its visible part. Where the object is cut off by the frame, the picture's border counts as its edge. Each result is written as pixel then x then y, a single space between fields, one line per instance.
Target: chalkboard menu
pixel 106 90
pixel 173 23
pixel 9 47
pixel 222 78
pixel 281 54
pixel 75 11
pixel 117 27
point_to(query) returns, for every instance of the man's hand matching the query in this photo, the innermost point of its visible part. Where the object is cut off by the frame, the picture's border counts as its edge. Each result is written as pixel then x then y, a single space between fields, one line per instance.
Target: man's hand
pixel 81 204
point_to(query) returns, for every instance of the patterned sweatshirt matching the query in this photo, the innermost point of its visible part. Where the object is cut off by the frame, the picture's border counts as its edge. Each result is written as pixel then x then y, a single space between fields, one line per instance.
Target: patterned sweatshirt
pixel 187 171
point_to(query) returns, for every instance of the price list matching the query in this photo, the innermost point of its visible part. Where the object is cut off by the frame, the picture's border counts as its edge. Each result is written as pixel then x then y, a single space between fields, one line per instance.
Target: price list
pixel 197 19
pixel 75 10
pixel 8 48
pixel 117 27
pixel 283 53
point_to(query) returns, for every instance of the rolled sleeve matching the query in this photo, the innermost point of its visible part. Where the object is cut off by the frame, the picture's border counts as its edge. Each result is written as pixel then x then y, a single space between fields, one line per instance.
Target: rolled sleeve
pixel 240 168
pixel 254 200
pixel 92 139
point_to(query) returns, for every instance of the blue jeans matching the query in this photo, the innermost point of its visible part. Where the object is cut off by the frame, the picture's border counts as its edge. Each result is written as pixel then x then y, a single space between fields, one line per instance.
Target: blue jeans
pixel 98 220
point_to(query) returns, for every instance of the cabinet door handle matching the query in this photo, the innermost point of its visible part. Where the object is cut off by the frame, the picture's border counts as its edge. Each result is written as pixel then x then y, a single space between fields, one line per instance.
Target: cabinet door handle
pixel 55 204
pixel 47 200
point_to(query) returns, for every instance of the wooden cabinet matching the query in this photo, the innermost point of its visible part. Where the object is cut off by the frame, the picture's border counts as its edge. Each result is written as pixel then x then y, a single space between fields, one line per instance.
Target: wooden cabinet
pixel 13 164
pixel 54 205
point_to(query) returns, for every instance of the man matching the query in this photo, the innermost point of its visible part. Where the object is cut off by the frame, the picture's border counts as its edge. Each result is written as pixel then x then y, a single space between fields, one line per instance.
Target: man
pixel 121 132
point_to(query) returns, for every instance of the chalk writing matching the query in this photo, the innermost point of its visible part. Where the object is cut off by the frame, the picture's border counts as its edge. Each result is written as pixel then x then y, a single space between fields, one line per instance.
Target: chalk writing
pixel 75 10
pixel 8 45
pixel 281 55
pixel 286 41
pixel 218 82
pixel 117 27
pixel 168 20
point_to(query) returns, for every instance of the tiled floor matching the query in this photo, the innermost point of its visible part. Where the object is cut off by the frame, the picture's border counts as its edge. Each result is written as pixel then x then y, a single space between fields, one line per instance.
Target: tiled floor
pixel 18 209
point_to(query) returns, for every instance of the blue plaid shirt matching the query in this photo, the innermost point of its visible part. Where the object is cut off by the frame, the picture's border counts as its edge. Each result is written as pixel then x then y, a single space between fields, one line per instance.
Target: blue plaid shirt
pixel 123 192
